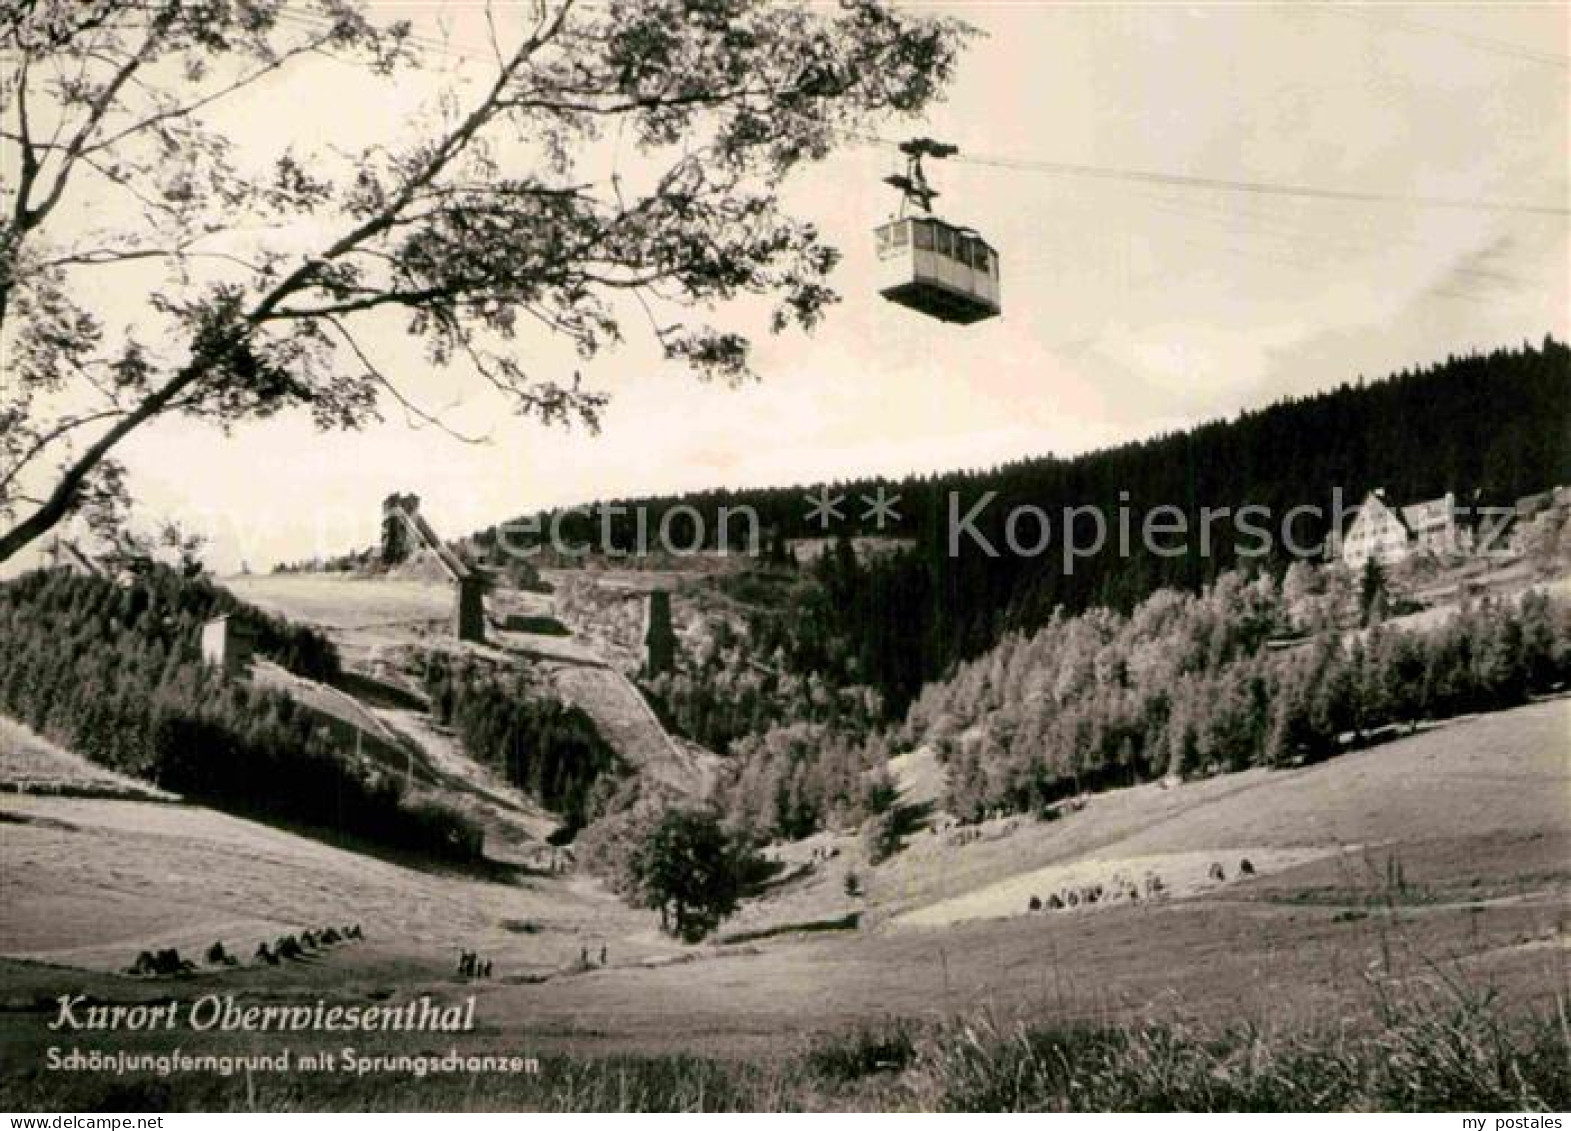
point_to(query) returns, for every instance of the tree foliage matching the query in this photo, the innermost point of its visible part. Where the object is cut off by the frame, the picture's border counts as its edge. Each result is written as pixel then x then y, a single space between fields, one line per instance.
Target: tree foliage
pixel 691 869
pixel 549 749
pixel 1189 685
pixel 1184 684
pixel 492 214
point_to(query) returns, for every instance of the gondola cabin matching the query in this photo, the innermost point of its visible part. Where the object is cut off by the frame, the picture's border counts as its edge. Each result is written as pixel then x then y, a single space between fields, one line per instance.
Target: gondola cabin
pixel 942 271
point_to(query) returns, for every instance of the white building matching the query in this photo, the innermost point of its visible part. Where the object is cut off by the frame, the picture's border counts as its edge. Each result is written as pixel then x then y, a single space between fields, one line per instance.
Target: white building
pixel 1390 533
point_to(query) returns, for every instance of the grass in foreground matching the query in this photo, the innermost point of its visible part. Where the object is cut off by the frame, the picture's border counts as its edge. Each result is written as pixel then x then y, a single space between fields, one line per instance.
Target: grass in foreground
pixel 1456 1056
pixel 1448 1048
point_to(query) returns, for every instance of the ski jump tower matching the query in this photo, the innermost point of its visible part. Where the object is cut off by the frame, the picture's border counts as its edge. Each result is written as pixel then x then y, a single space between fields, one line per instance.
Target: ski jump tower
pixel 405 533
pixel 659 639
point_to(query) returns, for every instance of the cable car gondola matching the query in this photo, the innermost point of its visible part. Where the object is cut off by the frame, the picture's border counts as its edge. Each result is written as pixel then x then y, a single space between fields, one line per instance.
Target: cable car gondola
pixel 928 264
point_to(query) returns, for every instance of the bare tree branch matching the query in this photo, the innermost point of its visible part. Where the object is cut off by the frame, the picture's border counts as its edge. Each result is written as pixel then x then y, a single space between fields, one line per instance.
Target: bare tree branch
pixel 439 227
pixel 31 216
pixel 376 374
pixel 70 424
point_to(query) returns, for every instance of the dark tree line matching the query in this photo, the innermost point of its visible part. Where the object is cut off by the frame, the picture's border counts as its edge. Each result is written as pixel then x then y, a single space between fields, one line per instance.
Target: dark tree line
pixel 549 749
pixel 1489 427
pixel 741 683
pixel 115 673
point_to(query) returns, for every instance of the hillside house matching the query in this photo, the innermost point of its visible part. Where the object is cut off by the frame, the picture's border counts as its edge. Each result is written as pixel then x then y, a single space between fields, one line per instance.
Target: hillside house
pixel 1529 507
pixel 1527 513
pixel 1390 533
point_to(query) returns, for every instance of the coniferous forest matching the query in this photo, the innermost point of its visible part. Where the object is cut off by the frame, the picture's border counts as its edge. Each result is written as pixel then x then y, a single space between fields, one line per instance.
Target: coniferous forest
pixel 547 748
pixel 1032 682
pixel 1489 427
pixel 115 673
pixel 1191 684
pixel 1035 684
pixel 1248 672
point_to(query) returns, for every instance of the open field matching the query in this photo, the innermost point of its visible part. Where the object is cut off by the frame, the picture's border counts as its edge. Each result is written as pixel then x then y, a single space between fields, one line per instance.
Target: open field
pixel 89 883
pixel 345 601
pixel 1486 782
pixel 30 764
pixel 1437 858
pixel 1463 863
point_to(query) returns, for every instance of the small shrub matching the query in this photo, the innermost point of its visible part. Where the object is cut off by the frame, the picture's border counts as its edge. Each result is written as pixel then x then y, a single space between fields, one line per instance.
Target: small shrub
pixel 888 1047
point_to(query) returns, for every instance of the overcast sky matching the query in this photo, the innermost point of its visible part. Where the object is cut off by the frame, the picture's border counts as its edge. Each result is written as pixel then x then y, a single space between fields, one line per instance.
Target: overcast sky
pixel 1129 308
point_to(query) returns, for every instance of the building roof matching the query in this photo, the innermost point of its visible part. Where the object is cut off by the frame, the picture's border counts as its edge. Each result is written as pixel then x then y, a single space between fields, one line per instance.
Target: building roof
pixel 1412 517
pixel 1377 497
pixel 1432 512
pixel 1529 505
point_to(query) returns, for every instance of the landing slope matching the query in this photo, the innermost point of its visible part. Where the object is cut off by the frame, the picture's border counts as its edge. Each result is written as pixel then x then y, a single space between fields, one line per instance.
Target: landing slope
pixel 371 617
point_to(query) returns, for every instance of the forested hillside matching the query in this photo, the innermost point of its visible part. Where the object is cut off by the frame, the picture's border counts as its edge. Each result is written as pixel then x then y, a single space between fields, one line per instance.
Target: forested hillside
pixel 1489 427
pixel 115 673
pixel 1187 684
pixel 549 749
